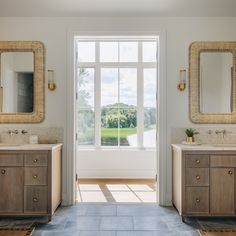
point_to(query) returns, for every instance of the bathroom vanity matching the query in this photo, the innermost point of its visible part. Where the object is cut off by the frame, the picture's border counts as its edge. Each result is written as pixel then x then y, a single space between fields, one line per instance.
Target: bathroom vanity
pixel 30 179
pixel 204 180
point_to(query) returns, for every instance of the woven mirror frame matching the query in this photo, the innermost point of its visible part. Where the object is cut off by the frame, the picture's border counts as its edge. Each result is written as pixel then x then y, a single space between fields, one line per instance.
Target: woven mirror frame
pixel 195 115
pixel 38 50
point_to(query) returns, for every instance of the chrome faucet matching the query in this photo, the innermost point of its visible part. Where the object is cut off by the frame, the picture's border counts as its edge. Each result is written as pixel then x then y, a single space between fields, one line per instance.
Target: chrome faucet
pixel 11 132
pixel 24 131
pixel 223 131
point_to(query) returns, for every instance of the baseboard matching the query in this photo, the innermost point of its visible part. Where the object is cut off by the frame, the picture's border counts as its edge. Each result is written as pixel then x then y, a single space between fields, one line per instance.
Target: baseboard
pixel 115 174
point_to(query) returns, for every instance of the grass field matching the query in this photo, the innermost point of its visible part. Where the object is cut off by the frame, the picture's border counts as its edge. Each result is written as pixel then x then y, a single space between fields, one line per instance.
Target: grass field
pixel 113 132
pixel 109 136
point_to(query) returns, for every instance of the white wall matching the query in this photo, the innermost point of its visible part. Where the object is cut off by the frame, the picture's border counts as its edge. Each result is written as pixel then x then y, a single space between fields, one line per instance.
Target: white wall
pixel 117 164
pixel 180 32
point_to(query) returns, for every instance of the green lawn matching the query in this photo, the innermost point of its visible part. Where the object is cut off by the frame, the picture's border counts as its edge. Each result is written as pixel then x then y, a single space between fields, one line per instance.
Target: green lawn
pixel 112 132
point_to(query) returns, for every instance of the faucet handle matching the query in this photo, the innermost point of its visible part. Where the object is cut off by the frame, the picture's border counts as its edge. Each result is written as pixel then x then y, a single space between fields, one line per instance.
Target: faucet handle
pixel 223 132
pixel 24 131
pixel 209 131
pixel 11 132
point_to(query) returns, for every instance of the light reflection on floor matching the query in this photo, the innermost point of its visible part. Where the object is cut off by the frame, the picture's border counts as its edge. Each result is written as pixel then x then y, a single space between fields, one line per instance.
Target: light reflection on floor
pixel 113 191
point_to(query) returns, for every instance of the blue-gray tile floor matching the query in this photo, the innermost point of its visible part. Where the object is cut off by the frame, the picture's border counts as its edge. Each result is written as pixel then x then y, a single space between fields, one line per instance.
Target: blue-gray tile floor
pixel 117 220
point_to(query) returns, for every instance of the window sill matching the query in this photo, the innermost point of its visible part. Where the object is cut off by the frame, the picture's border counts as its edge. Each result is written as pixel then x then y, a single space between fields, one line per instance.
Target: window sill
pixel 115 149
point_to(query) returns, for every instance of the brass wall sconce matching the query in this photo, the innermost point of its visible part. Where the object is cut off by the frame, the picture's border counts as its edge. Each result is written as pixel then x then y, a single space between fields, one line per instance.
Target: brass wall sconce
pixel 182 80
pixel 51 80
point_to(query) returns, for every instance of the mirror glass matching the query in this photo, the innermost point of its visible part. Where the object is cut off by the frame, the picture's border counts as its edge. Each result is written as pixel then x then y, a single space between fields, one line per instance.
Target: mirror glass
pixel 216 82
pixel 17 82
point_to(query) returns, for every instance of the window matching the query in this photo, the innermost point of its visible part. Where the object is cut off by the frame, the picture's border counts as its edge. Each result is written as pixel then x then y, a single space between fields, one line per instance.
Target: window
pixel 116 92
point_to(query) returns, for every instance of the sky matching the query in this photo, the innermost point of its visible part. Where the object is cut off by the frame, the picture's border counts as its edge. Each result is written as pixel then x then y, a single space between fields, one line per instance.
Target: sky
pixel 119 81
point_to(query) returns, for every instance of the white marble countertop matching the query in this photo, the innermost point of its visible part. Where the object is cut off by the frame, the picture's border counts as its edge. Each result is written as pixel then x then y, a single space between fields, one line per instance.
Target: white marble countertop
pixel 29 147
pixel 206 147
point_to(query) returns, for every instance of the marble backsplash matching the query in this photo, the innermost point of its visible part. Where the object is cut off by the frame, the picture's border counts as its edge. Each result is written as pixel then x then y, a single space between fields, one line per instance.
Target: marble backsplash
pixel 45 134
pixel 206 135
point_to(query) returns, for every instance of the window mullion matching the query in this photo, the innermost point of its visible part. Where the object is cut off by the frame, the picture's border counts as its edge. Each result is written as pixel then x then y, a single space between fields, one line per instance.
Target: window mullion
pixel 97 98
pixel 140 97
pixel 118 108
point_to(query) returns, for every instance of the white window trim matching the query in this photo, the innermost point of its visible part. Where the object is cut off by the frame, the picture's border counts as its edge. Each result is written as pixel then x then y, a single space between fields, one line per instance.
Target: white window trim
pixel 70 149
pixel 97 65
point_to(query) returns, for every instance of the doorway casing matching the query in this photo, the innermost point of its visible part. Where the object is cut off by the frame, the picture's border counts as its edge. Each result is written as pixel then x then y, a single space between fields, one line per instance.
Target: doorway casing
pixel 69 189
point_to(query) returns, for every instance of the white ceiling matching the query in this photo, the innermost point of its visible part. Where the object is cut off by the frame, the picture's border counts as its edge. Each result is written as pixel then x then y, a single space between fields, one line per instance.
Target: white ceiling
pixel 73 8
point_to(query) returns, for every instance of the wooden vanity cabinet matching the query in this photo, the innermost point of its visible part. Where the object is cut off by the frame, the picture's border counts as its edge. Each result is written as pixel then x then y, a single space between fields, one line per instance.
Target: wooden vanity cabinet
pixel 204 182
pixel 30 182
pixel 11 182
pixel 222 191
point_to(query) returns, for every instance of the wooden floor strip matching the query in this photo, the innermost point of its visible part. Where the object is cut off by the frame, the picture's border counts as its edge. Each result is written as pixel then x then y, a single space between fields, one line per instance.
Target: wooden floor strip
pixel 117 181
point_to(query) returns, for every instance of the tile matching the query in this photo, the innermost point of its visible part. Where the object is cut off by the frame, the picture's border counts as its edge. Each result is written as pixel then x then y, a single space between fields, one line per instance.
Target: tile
pixel 135 233
pixel 133 219
pixel 49 227
pixel 97 233
pixel 97 196
pixel 83 223
pixel 38 233
pixel 149 223
pixel 139 210
pixel 117 187
pixel 174 222
pixel 60 233
pixel 140 187
pixel 156 233
pixel 78 209
pixel 59 219
pixel 105 210
pixel 180 226
pixel 150 197
pixel 116 223
pixel 124 197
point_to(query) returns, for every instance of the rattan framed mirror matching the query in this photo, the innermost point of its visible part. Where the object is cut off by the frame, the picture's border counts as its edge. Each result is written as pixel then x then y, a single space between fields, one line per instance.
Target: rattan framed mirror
pixel 22 82
pixel 212 82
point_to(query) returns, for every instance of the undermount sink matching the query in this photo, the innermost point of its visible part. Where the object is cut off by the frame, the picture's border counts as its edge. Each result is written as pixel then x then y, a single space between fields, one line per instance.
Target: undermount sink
pixel 225 145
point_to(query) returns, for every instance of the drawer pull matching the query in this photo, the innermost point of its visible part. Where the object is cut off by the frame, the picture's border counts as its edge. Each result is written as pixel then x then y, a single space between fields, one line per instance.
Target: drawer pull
pixel 35 160
pixel 197 161
pixel 230 172
pixel 35 199
pixel 198 177
pixel 198 200
pixel 35 176
pixel 3 172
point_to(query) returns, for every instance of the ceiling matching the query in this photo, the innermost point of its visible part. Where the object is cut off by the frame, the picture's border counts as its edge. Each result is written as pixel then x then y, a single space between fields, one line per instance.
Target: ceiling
pixel 74 8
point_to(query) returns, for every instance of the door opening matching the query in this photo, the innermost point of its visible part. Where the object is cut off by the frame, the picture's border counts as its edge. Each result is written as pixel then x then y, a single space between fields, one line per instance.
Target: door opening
pixel 116 112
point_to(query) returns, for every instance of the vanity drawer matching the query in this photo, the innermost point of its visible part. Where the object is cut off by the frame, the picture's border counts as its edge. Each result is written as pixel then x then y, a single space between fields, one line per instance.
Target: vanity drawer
pixel 11 160
pixel 196 160
pixel 35 199
pixel 223 161
pixel 35 175
pixel 197 177
pixel 36 159
pixel 197 200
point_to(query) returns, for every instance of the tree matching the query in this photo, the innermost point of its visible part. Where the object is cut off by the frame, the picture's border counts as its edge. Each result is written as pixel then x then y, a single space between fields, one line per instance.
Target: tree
pixel 119 113
pixel 86 114
pixel 83 95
